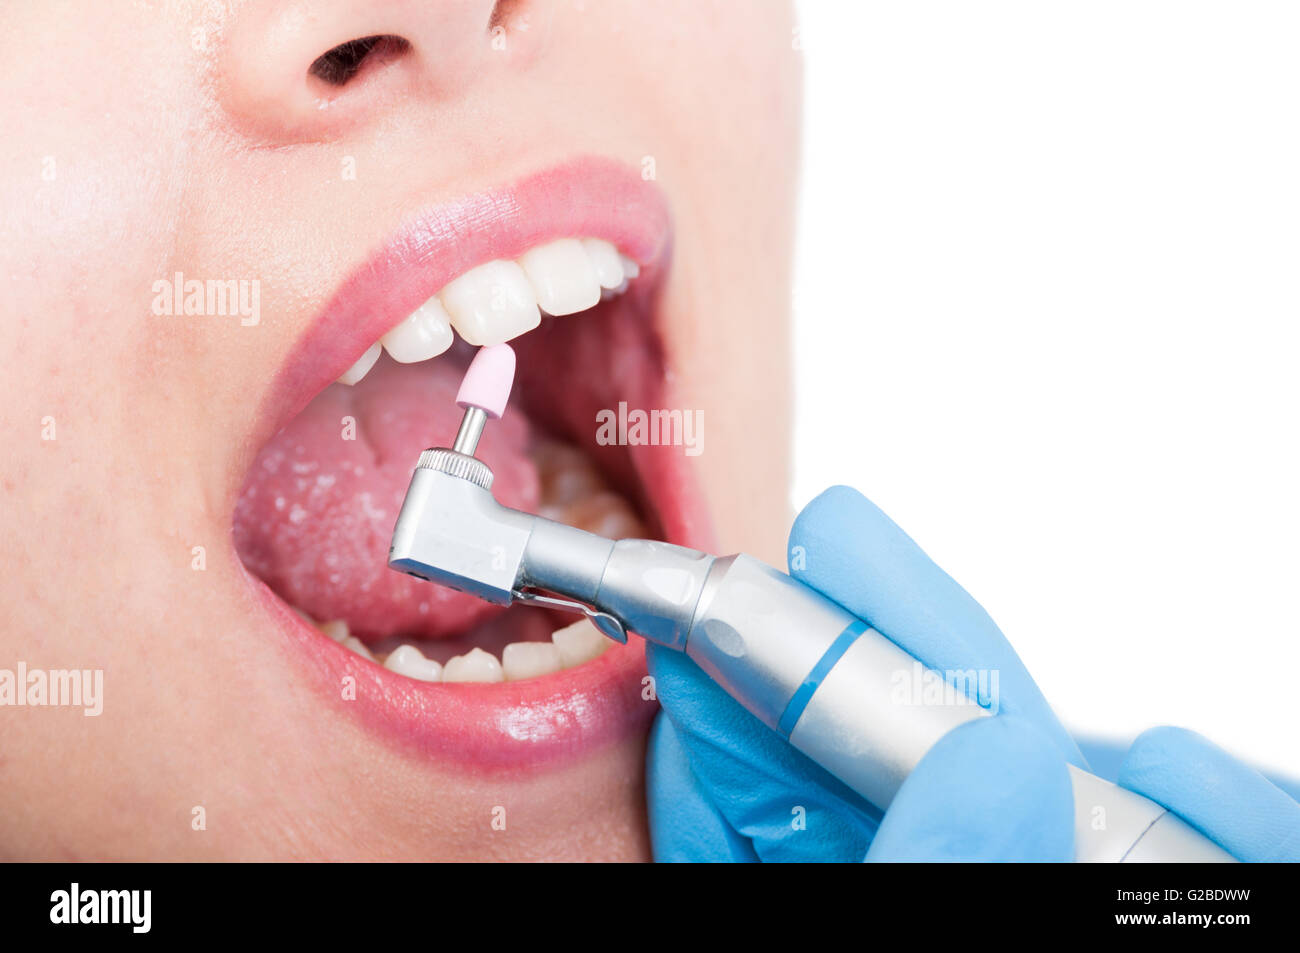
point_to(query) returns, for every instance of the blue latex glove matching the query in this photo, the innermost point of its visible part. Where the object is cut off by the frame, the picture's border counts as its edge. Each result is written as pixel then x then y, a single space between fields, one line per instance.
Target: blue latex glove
pixel 1231 803
pixel 722 786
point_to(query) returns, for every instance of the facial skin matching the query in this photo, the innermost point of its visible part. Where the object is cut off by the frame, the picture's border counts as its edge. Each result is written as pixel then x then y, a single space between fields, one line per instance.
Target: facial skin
pixel 145 139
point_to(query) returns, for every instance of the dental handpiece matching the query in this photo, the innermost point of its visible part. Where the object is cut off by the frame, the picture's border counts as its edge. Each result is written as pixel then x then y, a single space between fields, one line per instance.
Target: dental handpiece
pixel 802 664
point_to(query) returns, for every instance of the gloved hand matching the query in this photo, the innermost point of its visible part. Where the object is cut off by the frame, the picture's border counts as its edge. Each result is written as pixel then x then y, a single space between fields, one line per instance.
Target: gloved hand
pixel 722 786
pixel 1233 804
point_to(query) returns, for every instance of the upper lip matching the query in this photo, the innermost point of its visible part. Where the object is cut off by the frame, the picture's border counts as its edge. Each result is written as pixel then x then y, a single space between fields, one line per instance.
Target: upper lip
pixel 519 723
pixel 590 197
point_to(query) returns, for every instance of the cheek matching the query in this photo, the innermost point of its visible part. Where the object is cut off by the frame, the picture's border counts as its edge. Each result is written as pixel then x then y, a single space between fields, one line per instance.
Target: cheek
pixel 729 90
pixel 92 191
pixel 97 195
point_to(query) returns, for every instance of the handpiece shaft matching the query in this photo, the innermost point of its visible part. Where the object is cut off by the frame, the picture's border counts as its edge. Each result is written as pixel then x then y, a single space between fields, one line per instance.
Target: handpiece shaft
pixel 841 692
pixel 471 429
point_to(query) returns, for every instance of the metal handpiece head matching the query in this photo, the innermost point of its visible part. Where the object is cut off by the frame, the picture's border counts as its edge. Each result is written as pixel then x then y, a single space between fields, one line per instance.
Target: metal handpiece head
pixel 452 531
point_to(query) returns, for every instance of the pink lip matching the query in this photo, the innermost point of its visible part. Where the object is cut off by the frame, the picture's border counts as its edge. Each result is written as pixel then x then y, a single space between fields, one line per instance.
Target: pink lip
pixel 502 728
pixel 512 726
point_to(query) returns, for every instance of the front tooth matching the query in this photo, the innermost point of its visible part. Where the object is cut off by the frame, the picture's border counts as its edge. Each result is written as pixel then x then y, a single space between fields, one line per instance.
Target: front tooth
pixel 474 666
pixel 606 260
pixel 607 293
pixel 578 643
pixel 362 366
pixel 529 659
pixel 425 333
pixel 563 276
pixel 409 661
pixel 357 646
pixel 492 303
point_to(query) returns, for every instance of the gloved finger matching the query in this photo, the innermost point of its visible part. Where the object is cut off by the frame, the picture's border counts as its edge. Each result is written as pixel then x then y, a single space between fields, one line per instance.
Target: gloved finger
pixel 845 547
pixel 1231 803
pixel 787 807
pixel 684 824
pixel 995 789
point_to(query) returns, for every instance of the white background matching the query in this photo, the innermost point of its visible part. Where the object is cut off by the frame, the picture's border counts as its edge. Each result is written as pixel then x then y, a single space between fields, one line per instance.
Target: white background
pixel 1046 317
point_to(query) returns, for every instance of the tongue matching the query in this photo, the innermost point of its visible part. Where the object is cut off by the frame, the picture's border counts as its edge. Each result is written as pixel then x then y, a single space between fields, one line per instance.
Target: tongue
pixel 316 515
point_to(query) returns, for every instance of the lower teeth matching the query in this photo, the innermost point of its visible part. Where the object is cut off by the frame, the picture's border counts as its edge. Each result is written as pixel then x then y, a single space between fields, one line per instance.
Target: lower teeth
pixel 529 659
pixel 476 665
pixel 578 643
pixel 569 647
pixel 354 644
pixel 409 661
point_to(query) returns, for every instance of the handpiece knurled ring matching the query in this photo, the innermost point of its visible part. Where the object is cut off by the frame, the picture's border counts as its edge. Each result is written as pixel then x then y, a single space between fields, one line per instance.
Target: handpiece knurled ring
pixel 458 465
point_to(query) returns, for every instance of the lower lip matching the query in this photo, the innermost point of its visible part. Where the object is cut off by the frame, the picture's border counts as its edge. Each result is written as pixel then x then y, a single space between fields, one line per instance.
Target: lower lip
pixel 501 727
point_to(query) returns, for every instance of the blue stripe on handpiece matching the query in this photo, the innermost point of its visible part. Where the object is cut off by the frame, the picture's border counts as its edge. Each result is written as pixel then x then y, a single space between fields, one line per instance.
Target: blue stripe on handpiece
pixel 803 695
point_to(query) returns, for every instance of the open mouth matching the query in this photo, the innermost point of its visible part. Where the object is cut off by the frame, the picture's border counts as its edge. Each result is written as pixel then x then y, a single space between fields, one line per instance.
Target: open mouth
pixel 568 266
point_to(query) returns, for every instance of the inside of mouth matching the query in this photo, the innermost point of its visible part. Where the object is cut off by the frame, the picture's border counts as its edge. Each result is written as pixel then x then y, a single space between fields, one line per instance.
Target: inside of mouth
pixel 317 510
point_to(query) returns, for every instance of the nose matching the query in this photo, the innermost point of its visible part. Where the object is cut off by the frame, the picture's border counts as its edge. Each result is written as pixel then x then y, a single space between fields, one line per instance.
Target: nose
pixel 290 70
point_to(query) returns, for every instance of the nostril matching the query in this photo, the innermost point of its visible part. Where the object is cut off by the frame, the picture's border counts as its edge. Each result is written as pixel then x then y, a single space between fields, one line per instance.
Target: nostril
pixel 340 65
pixel 503 11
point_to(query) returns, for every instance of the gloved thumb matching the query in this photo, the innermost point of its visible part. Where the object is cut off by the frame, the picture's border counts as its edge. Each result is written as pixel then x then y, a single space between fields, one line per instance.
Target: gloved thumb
pixel 994 789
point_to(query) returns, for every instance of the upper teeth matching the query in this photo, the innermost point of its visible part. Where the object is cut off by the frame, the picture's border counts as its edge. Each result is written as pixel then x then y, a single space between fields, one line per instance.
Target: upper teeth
pixel 500 300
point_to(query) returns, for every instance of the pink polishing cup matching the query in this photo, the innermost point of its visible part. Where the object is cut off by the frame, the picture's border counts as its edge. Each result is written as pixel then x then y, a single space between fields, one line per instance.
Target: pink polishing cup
pixel 487 382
